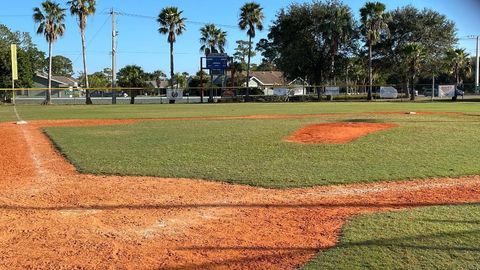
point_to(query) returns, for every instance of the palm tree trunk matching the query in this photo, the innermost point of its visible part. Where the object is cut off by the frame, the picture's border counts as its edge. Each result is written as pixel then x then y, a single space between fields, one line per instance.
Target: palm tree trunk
pixel 88 99
pixel 406 85
pixel 247 96
pixel 457 81
pixel 171 64
pixel 370 79
pixel 333 69
pixel 171 69
pixel 412 91
pixel 48 100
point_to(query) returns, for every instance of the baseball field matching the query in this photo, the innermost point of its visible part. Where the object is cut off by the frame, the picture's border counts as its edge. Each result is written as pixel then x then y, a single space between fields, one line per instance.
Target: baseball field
pixel 240 186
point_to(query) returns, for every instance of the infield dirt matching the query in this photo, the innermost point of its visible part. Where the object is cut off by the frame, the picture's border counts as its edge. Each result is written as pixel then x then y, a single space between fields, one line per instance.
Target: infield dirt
pixel 52 217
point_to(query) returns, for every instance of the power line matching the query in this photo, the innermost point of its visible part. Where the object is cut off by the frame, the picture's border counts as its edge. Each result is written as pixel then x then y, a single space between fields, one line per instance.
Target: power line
pixel 14 15
pixel 155 52
pixel 187 21
pixel 91 39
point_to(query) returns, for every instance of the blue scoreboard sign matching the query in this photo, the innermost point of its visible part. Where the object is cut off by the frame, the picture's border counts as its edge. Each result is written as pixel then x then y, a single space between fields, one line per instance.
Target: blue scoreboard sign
pixel 217 61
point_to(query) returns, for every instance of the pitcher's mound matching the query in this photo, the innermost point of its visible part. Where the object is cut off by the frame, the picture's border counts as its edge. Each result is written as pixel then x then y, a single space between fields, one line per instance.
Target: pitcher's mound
pixel 335 133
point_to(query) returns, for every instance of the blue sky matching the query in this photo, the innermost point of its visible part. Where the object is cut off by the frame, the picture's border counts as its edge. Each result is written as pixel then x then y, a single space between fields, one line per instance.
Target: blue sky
pixel 140 43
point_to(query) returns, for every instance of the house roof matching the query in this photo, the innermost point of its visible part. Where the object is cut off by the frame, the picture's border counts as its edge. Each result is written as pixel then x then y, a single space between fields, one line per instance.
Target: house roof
pixel 268 77
pixel 60 79
pixel 298 81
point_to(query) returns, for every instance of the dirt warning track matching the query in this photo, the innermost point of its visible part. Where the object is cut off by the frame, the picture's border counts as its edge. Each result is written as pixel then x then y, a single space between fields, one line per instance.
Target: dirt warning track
pixel 52 217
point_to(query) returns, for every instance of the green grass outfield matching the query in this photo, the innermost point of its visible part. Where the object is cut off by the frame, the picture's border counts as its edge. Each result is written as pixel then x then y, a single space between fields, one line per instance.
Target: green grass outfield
pixel 6 113
pixel 252 151
pixel 33 112
pixel 444 237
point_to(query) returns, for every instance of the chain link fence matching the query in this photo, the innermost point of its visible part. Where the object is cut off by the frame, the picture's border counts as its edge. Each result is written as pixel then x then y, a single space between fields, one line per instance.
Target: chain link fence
pixel 277 93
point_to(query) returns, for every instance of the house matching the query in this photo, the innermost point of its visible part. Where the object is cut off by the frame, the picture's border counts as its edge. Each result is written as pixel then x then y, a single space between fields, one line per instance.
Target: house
pixel 40 81
pixel 266 80
pixel 269 80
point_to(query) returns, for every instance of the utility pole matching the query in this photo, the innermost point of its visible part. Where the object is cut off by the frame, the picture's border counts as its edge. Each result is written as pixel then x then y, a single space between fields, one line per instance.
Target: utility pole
pixel 114 60
pixel 477 67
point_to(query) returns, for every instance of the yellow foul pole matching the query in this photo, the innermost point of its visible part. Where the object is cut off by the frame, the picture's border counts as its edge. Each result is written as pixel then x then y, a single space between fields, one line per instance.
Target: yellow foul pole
pixel 13 49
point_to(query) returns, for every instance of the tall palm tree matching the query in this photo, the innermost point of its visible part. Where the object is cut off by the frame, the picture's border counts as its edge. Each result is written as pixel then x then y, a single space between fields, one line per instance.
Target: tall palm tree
pixel 458 62
pixel 213 39
pixel 171 24
pixel 414 55
pixel 374 23
pixel 50 19
pixel 251 18
pixel 338 28
pixel 82 9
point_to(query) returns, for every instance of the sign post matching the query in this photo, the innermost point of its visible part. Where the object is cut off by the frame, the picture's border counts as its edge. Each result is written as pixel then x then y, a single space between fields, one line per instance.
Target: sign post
pixel 216 63
pixel 13 49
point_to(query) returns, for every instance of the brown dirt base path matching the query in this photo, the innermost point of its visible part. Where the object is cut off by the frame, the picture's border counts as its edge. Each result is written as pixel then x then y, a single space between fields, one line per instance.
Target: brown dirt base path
pixel 52 217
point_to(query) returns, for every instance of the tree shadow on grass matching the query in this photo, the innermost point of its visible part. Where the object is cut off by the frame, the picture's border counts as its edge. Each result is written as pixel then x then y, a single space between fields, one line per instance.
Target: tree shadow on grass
pixel 404 242
pixel 363 120
pixel 264 255
pixel 407 242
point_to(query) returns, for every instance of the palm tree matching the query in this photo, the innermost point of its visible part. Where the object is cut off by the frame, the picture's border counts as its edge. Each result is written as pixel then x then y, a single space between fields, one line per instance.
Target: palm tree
pixel 50 19
pixel 458 62
pixel 82 9
pixel 171 24
pixel 374 24
pixel 213 39
pixel 339 28
pixel 251 18
pixel 414 55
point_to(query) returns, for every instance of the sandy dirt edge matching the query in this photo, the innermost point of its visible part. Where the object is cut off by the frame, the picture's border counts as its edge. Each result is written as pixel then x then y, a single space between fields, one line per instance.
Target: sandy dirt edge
pixel 52 217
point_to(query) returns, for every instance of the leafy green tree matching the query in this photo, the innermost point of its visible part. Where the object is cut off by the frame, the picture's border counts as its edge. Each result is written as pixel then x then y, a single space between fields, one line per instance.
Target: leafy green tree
pixel 251 19
pixel 82 9
pixel 237 76
pixel 172 24
pixel 99 80
pixel 212 39
pixel 429 28
pixel 181 79
pixel 269 54
pixel 30 59
pixel 337 26
pixel 374 23
pixel 131 76
pixel 356 69
pixel 241 53
pixel 50 19
pixel 196 82
pixel 301 41
pixel 414 54
pixel 156 75
pixel 61 66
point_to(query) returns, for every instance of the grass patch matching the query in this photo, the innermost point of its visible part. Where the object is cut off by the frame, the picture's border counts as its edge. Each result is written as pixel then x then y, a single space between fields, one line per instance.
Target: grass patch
pixel 252 151
pixel 35 112
pixel 6 113
pixel 444 237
